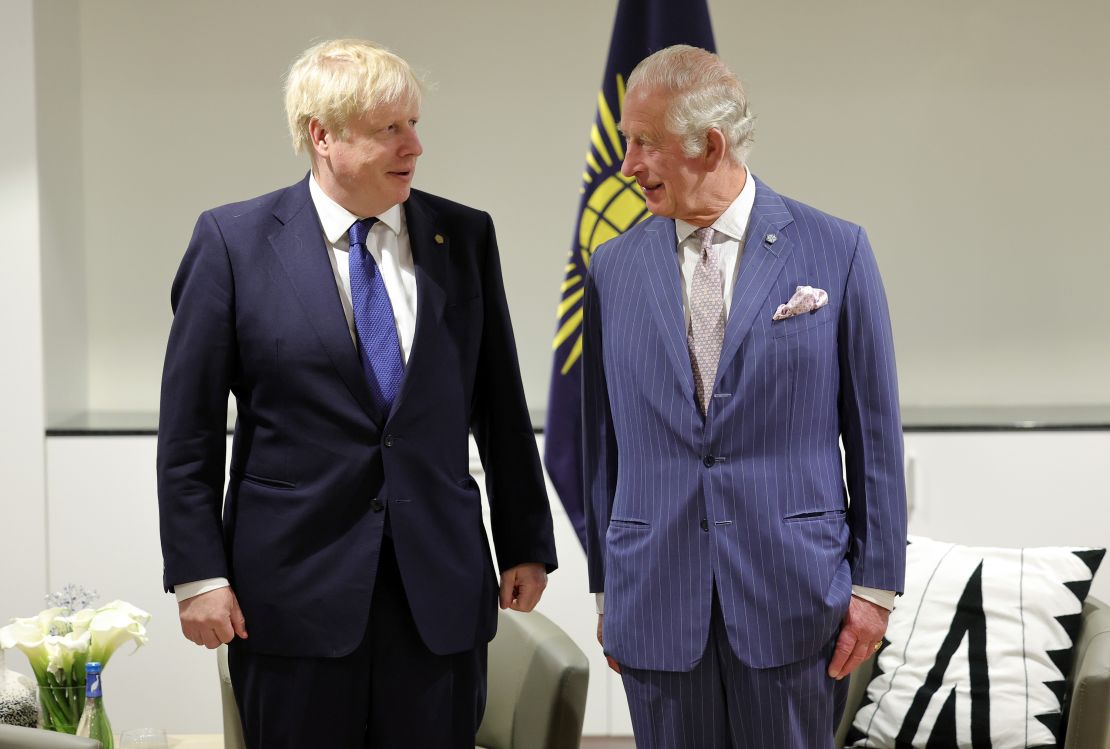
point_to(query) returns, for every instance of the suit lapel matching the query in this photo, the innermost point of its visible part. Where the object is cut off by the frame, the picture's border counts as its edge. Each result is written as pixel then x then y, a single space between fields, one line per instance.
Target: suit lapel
pixel 662 283
pixel 760 265
pixel 299 245
pixel 429 257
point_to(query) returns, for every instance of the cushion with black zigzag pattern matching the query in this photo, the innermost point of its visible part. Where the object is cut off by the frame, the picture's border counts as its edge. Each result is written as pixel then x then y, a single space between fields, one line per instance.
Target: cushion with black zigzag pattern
pixel 977 649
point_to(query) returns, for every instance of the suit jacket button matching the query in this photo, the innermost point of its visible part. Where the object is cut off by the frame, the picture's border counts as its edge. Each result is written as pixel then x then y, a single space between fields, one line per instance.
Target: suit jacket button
pixel 376 505
pixel 389 440
pixel 709 460
pixel 705 525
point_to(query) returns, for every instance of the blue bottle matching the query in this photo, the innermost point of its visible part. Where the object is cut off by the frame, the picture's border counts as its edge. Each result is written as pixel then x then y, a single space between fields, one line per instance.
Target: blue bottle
pixel 94 721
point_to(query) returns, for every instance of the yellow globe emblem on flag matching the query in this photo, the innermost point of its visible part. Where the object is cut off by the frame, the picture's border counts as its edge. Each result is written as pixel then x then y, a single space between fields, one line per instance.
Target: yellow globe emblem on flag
pixel 614 206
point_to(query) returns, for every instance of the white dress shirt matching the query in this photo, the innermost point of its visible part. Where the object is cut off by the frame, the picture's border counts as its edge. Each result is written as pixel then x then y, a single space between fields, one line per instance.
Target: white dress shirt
pixel 388 242
pixel 730 232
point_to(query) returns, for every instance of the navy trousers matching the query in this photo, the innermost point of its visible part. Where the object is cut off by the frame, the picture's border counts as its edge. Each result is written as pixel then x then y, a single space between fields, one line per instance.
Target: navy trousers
pixel 390 692
pixel 725 704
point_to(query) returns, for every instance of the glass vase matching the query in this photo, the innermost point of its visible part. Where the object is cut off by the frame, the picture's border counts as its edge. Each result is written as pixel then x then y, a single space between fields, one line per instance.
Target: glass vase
pixel 60 707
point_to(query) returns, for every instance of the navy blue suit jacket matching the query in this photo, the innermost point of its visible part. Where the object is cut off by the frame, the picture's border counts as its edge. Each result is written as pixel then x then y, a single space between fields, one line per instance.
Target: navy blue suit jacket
pixel 750 499
pixel 313 470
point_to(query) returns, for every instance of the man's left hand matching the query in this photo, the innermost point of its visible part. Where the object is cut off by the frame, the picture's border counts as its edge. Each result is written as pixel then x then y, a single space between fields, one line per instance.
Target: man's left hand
pixel 522 586
pixel 863 628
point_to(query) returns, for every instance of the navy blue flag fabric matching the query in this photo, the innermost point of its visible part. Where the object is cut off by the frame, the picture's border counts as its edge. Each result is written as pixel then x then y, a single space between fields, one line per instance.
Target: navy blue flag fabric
pixel 610 204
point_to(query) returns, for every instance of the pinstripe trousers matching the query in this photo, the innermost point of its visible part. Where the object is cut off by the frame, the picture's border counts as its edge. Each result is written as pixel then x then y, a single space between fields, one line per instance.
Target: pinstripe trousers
pixel 724 704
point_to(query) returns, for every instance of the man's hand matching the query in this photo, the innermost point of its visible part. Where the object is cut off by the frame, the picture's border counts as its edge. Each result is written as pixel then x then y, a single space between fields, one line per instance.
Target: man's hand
pixel 522 586
pixel 862 630
pixel 212 618
pixel 612 663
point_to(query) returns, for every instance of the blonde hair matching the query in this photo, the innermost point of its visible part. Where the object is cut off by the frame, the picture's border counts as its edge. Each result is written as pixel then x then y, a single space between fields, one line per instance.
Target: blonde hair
pixel 704 94
pixel 341 79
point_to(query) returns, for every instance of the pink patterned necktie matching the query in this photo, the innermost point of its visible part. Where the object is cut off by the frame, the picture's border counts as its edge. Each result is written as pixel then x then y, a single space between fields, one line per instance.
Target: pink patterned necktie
pixel 707 318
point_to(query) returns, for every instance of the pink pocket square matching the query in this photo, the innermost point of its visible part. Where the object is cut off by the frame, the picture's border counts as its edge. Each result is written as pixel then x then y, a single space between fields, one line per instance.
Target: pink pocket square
pixel 805 299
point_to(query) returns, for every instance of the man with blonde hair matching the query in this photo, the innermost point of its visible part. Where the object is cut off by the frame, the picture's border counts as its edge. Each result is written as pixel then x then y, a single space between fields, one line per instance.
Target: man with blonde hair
pixel 362 327
pixel 731 341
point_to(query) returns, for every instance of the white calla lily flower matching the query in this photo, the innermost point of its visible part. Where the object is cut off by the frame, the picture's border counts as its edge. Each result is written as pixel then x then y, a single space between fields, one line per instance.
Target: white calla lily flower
pixel 28 636
pixel 67 655
pixel 114 625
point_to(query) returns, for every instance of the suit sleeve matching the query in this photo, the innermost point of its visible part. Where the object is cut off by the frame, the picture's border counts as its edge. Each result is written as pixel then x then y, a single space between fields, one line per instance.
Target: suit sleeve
pixel 192 423
pixel 872 428
pixel 599 447
pixel 520 516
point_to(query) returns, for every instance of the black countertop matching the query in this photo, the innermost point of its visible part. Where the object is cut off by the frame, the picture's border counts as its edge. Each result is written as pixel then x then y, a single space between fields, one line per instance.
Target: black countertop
pixel 914 419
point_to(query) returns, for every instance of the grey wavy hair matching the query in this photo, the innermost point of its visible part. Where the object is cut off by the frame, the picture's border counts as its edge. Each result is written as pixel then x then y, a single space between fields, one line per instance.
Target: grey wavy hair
pixel 704 93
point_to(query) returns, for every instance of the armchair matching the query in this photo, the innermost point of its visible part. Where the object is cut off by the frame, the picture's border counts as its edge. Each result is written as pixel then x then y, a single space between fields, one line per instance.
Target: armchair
pixel 536 698
pixel 14 737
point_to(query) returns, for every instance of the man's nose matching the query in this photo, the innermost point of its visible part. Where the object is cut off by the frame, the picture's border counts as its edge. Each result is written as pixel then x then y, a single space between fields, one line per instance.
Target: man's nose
pixel 413 147
pixel 631 159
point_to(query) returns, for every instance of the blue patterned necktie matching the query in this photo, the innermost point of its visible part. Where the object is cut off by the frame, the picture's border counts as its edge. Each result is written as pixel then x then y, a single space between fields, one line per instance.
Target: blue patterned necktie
pixel 378 346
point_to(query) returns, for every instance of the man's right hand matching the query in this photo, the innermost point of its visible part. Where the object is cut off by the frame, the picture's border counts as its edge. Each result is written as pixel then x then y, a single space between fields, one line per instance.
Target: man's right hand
pixel 212 618
pixel 612 663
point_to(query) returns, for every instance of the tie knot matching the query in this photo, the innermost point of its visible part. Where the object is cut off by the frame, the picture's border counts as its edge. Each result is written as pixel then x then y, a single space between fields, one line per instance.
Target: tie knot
pixel 705 236
pixel 360 230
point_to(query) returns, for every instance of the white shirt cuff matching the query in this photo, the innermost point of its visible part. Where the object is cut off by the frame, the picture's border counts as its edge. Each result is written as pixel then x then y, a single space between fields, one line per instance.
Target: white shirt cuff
pixel 190 590
pixel 884 598
pixel 599 599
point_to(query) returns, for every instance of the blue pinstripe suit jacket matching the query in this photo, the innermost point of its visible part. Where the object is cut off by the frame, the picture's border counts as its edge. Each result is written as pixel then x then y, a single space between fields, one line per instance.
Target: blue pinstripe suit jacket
pixel 752 498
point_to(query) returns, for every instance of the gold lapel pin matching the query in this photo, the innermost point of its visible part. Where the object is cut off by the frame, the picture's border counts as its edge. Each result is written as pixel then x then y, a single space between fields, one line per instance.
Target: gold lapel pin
pixel 439 239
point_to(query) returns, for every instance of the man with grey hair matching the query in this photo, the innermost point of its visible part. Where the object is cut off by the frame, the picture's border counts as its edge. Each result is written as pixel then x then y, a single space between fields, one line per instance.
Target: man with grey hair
pixel 362 327
pixel 731 342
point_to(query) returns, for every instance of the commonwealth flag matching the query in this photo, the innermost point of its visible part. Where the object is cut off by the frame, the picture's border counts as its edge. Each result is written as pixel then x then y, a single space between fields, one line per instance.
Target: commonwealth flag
pixel 610 204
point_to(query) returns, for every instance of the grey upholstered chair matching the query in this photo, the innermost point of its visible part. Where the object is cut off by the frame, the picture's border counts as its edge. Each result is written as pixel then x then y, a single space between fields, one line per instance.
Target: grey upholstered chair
pixel 12 737
pixel 233 727
pixel 537 688
pixel 1088 688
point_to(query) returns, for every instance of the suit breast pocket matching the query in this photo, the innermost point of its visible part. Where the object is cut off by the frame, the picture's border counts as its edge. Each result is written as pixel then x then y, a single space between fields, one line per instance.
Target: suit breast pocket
pixel 801 323
pixel 463 320
pixel 463 309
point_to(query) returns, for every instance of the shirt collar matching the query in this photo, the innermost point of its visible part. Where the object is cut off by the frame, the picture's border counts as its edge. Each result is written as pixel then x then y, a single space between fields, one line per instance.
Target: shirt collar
pixel 336 220
pixel 734 221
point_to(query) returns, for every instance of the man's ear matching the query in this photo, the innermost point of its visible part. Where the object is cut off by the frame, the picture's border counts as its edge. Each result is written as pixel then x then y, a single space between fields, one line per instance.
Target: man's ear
pixel 319 137
pixel 716 149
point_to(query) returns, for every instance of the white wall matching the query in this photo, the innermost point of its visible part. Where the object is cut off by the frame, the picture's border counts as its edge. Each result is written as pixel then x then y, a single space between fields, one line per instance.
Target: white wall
pixel 22 497
pixel 967 137
pixel 62 213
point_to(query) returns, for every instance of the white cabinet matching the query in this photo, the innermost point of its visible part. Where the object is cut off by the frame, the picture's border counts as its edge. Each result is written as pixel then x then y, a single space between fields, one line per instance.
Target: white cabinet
pixel 984 488
pixel 102 520
pixel 1012 488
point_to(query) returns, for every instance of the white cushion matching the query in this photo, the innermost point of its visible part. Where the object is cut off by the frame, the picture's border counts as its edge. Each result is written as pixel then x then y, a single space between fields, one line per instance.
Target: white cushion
pixel 978 648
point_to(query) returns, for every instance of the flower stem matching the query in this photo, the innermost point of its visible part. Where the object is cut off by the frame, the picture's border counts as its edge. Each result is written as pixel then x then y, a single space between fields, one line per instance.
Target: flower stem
pixel 61 704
